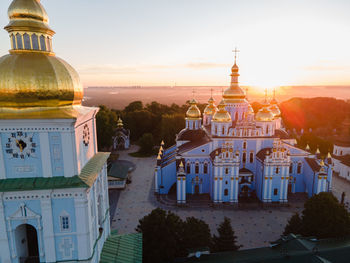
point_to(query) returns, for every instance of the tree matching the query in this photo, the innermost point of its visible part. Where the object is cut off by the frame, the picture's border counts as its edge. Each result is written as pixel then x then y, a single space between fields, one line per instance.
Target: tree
pixel 161 235
pixel 134 106
pixel 106 123
pixel 196 234
pixel 139 122
pixel 324 217
pixel 294 225
pixel 226 241
pixel 146 143
pixel 170 126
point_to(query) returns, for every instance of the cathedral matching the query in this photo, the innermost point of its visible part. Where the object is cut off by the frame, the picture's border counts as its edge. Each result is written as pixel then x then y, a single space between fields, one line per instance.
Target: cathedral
pixel 53 181
pixel 232 153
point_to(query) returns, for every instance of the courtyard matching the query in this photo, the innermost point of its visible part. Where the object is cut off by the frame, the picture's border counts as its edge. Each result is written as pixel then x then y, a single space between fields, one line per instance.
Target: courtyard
pixel 254 226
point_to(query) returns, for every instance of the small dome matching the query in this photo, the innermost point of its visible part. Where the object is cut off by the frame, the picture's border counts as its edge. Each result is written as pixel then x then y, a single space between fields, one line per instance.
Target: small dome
pixel 234 68
pixel 193 112
pixel 120 123
pixel 264 114
pixel 210 109
pixel 30 9
pixel 275 110
pixel 28 14
pixel 222 115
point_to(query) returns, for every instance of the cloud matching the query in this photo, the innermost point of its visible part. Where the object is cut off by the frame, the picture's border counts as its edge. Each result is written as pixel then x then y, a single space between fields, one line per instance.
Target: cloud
pixel 325 67
pixel 206 65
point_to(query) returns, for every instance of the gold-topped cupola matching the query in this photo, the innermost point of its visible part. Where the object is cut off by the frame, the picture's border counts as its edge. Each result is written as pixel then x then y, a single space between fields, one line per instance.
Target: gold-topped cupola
pixel 34 83
pixel 234 93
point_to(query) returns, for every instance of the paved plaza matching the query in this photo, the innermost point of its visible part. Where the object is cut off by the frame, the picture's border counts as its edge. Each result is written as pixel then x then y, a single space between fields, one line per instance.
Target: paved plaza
pixel 254 227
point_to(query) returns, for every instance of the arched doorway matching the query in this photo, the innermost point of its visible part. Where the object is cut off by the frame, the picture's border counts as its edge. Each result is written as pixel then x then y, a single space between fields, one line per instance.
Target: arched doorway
pixel 27 244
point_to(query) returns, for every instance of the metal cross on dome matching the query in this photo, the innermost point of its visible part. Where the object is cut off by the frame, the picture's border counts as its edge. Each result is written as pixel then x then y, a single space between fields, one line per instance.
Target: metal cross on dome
pixel 235 51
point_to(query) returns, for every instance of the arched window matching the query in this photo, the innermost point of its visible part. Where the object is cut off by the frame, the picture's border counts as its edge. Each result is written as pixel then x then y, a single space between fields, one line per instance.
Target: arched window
pixel 188 168
pixel 291 168
pixel 42 43
pixel 196 168
pixel 35 42
pixel 277 170
pixel 251 157
pixel 226 192
pixel 223 130
pixel 216 129
pixel 267 129
pixel 244 145
pixel 236 116
pixel 244 157
pixel 26 41
pixel 19 41
pixel 299 168
pixel 205 168
pixel 226 170
pixel 341 152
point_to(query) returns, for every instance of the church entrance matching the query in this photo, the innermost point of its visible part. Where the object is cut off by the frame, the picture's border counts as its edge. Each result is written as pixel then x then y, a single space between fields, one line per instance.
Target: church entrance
pixel 196 189
pixel 27 244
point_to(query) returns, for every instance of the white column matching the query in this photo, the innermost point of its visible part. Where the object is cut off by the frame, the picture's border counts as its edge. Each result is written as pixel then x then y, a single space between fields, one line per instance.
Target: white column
pixel 265 182
pixel 220 184
pixel 178 189
pixel 270 186
pixel 48 233
pixel 156 181
pixel 285 168
pixel 281 187
pixel 82 226
pixel 318 185
pixel 215 194
pixel 2 162
pixel 231 191
pixel 4 242
pixel 184 189
pixel 45 154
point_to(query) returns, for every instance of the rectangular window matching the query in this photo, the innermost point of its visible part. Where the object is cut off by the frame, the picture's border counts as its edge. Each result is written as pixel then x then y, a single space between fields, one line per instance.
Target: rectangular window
pixel 275 191
pixel 299 168
pixel 226 171
pixel 65 223
pixel 291 168
pixel 277 170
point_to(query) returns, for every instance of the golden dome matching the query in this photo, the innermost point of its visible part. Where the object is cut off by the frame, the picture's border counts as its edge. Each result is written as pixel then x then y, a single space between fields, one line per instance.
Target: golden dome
pixel 210 109
pixel 28 15
pixel 120 123
pixel 264 114
pixel 31 76
pixel 222 115
pixel 193 112
pixel 275 110
pixel 234 93
pixel 38 80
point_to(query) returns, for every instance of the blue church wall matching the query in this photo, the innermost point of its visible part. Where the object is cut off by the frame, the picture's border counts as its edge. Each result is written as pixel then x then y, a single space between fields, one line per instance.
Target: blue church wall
pixel 258 179
pixel 190 183
pixel 63 207
pixel 276 184
pixel 11 207
pixel 310 180
pixel 16 167
pixel 167 178
pixel 56 153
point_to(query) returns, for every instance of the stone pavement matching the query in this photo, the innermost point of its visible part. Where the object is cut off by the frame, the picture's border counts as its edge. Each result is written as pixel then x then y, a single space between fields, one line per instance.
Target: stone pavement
pixel 253 227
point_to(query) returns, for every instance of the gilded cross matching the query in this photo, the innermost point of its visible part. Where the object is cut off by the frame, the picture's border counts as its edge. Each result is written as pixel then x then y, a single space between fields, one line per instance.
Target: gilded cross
pixel 235 51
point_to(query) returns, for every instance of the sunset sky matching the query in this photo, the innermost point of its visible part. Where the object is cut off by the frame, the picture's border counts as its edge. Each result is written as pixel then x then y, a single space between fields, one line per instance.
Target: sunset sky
pixel 190 42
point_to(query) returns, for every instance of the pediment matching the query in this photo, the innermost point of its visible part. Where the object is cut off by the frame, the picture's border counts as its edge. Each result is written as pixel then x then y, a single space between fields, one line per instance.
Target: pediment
pixel 23 212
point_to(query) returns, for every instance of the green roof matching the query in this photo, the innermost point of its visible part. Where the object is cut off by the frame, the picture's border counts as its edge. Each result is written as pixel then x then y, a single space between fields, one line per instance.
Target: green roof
pixel 86 178
pixel 290 249
pixel 122 249
pixel 118 170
